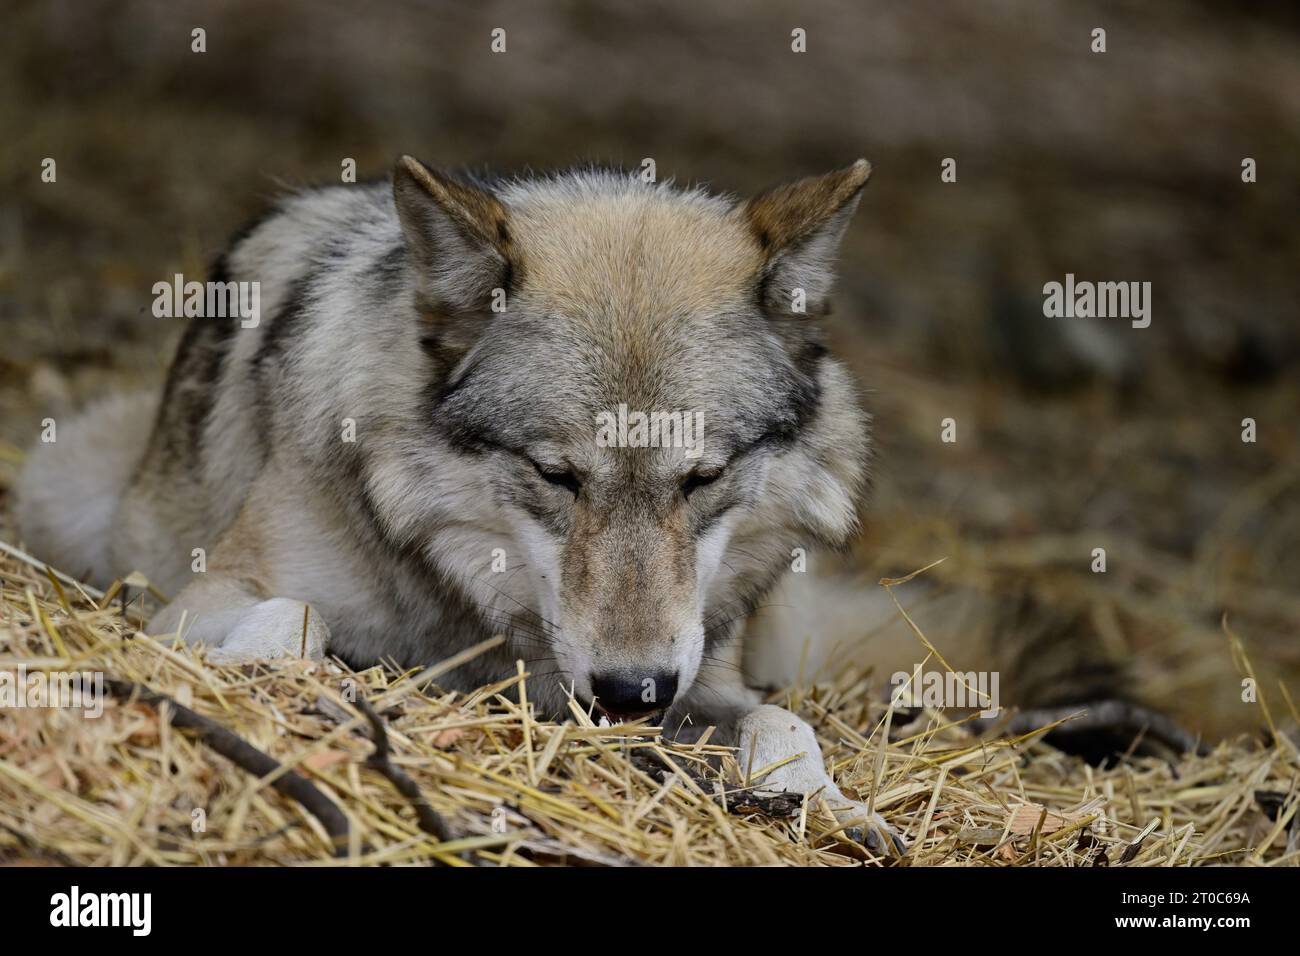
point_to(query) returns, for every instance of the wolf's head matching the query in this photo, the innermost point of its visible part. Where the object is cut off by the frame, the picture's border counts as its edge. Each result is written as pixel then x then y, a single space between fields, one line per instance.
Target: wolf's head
pixel 644 429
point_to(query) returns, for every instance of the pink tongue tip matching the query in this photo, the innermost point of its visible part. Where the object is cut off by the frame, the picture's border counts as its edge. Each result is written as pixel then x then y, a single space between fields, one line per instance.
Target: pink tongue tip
pixel 621 718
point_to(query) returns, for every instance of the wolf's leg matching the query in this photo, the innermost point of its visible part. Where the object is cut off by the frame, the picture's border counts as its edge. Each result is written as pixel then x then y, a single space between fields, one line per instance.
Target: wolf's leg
pixel 770 734
pixel 238 626
pixel 766 735
pixel 232 607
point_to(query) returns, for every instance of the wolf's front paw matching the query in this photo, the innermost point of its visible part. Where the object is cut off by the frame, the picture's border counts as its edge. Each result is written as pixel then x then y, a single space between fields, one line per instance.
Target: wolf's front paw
pixel 769 735
pixel 280 627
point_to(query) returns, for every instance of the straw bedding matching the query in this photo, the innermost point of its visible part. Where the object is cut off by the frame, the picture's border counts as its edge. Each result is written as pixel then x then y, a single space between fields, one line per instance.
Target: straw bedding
pixel 333 767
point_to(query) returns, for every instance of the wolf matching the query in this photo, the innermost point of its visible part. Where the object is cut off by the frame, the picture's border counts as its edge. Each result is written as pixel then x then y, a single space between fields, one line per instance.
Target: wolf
pixel 401 459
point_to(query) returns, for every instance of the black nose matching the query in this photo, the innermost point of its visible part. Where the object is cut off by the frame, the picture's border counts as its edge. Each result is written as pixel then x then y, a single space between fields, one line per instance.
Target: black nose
pixel 629 695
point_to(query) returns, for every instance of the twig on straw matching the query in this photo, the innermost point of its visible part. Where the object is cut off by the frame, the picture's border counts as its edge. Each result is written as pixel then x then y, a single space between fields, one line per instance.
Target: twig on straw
pixel 429 819
pixel 245 756
pixel 777 804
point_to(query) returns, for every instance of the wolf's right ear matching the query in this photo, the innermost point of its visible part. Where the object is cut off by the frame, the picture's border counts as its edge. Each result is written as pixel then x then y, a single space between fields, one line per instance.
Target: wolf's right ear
pixel 457 234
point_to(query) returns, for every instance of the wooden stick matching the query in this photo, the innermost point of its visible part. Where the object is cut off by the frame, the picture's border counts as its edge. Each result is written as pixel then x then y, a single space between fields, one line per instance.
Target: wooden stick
pixel 245 756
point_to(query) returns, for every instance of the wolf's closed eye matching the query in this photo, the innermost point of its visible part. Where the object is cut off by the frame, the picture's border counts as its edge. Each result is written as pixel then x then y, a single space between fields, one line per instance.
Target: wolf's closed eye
pixel 565 478
pixel 697 480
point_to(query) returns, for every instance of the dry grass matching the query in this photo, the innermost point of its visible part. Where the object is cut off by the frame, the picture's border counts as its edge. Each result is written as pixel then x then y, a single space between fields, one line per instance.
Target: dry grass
pixel 130 788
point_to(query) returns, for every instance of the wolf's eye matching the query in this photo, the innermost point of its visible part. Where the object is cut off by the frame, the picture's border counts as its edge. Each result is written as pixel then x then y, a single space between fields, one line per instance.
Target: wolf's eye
pixel 566 478
pixel 697 480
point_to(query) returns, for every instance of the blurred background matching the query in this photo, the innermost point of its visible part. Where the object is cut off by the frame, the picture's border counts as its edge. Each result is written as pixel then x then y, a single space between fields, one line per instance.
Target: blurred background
pixel 1073 434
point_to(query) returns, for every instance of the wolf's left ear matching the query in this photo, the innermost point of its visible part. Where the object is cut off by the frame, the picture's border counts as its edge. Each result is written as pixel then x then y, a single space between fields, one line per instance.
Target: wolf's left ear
pixel 799 226
pixel 457 234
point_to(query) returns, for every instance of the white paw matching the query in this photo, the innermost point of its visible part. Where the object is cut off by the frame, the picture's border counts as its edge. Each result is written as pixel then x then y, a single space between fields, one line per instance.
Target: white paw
pixel 769 735
pixel 274 628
